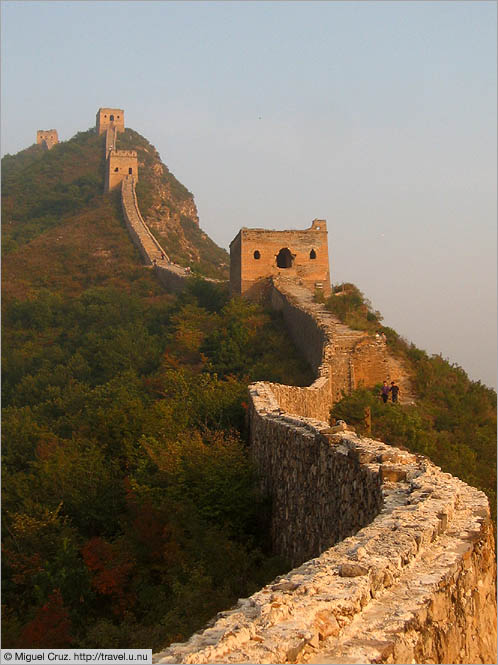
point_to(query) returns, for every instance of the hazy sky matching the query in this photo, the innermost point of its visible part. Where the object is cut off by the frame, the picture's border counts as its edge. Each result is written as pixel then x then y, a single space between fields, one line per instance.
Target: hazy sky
pixel 379 117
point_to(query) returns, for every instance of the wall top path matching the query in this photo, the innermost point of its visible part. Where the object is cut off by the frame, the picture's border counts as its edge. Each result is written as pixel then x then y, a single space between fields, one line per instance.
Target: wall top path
pixel 416 584
pixel 355 603
pixel 342 346
pixel 171 275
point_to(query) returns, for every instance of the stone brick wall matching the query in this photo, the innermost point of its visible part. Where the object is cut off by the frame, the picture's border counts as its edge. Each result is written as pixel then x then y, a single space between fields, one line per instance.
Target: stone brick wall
pixel 254 257
pixel 415 585
pixel 404 568
pixel 342 359
pixel 143 239
pixel 110 140
pixel 171 276
pixel 320 493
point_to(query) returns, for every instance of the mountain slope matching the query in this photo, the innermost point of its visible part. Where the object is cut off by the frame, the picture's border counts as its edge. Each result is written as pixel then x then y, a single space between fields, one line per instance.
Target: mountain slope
pixel 169 210
pixel 131 512
pixel 60 229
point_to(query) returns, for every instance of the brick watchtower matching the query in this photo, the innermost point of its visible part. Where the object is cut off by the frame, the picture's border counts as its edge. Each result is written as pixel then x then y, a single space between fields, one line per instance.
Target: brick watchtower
pixel 120 163
pixel 256 254
pixel 110 118
pixel 47 138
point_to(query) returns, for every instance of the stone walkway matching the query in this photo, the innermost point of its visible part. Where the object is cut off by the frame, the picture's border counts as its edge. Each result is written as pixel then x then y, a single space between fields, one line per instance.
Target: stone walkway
pixel 344 341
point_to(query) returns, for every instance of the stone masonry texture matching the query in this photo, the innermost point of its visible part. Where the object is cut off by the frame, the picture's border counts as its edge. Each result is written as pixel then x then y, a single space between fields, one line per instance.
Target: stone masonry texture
pixel 393 559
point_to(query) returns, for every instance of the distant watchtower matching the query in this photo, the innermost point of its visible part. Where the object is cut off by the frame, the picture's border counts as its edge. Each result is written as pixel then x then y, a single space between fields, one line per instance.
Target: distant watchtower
pixel 47 138
pixel 110 118
pixel 256 254
pixel 120 163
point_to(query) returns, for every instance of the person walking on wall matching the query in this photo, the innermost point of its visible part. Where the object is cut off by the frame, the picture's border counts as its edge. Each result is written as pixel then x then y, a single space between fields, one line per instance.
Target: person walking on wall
pixel 384 393
pixel 394 389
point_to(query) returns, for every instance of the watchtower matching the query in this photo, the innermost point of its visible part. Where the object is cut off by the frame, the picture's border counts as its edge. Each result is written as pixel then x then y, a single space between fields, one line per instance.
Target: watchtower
pixel 256 254
pixel 47 138
pixel 120 163
pixel 110 118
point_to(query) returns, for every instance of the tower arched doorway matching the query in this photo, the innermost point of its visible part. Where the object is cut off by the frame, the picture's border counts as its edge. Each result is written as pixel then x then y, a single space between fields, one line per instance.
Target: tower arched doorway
pixel 284 258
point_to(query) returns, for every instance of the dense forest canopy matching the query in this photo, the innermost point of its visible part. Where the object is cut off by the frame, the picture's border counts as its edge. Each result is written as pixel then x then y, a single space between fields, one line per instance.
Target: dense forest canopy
pixel 131 513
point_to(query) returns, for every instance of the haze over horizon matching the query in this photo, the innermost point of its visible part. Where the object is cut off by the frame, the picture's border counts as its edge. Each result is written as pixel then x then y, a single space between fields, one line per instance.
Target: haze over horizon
pixel 379 117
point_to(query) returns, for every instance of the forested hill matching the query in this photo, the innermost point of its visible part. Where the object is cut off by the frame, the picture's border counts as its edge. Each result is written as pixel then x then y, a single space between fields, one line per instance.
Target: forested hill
pixel 61 231
pixel 130 511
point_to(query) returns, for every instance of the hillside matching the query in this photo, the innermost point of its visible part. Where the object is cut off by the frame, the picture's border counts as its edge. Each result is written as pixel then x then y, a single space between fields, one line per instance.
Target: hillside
pixel 169 211
pixel 131 513
pixel 61 231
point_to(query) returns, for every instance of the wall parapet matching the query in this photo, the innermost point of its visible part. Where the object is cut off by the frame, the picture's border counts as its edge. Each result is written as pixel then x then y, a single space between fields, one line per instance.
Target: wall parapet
pixel 148 246
pixel 414 585
pixel 399 561
pixel 172 276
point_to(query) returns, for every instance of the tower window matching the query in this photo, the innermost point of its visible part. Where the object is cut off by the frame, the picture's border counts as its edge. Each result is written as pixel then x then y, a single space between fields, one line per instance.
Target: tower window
pixel 284 258
pixel 257 255
pixel 312 254
pixel 116 169
pixel 111 118
pixel 130 170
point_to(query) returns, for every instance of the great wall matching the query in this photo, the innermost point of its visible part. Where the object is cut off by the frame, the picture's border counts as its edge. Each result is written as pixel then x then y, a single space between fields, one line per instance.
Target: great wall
pixel 393 559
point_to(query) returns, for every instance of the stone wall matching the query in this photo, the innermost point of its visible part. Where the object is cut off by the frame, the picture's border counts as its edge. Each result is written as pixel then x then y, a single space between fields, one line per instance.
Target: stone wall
pixel 110 140
pixel 320 493
pixel 415 585
pixel 142 238
pixel 342 359
pixel 173 277
pixel 404 568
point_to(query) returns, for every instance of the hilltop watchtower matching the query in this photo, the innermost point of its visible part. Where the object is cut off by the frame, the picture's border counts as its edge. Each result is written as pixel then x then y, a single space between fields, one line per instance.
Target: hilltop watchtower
pixel 110 118
pixel 120 163
pixel 256 254
pixel 47 138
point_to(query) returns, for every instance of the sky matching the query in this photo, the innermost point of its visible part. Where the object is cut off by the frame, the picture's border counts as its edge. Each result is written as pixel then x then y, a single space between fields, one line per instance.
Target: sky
pixel 379 117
